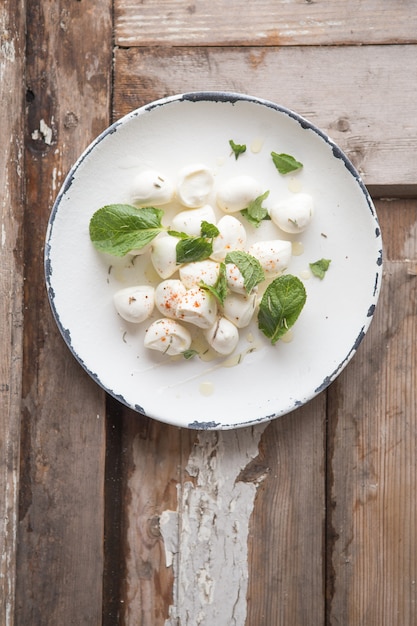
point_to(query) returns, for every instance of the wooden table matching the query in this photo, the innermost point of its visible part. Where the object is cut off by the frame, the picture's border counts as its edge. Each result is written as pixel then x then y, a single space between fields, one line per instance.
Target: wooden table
pixel 108 517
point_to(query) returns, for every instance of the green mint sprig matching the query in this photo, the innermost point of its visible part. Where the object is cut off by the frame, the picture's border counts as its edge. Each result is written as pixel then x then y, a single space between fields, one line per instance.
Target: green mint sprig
pixel 280 306
pixel 249 267
pixel 237 148
pixel 119 228
pixel 285 163
pixel 320 267
pixel 255 213
pixel 189 354
pixel 219 289
pixel 190 249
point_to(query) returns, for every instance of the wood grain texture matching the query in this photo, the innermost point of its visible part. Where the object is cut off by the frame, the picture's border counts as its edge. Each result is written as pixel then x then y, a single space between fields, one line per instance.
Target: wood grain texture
pixel 287 539
pixel 263 23
pixel 355 100
pixel 11 290
pixel 60 540
pixel 108 517
pixel 153 467
pixel 372 571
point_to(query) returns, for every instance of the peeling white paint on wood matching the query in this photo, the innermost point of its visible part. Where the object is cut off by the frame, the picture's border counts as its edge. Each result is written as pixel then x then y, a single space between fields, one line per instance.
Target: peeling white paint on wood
pixel 206 538
pixel 7 51
pixel 44 132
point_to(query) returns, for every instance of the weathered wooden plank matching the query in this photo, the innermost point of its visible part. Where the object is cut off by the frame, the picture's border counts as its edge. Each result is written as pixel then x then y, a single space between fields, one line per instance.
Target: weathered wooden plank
pixel 11 290
pixel 355 99
pixel 263 23
pixel 372 446
pixel 286 543
pixel 60 541
pixel 151 472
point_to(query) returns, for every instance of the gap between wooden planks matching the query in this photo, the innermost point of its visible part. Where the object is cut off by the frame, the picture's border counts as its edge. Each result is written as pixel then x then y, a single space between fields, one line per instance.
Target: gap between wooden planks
pixel 362 97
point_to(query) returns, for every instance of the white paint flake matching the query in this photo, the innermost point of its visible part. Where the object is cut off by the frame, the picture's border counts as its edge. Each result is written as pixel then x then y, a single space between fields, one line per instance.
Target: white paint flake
pixel 54 178
pixel 7 51
pixel 43 132
pixel 206 538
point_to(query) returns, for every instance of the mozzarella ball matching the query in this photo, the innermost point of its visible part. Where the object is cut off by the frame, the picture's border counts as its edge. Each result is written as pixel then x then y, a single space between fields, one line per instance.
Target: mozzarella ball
pixel 198 307
pixel 223 336
pixel 237 193
pixel 294 214
pixel 150 188
pixel 167 295
pixel 134 304
pixel 274 256
pixel 232 236
pixel 195 183
pixel 240 309
pixel 167 336
pixel 164 255
pixel 234 279
pixel 191 274
pixel 189 221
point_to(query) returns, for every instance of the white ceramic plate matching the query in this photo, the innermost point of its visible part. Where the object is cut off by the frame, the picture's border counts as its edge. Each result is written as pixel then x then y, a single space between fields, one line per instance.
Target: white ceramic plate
pixel 269 381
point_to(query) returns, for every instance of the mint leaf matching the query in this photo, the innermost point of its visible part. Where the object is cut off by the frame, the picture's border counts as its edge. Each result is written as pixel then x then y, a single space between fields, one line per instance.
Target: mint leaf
pixel 237 148
pixel 255 213
pixel 285 163
pixel 219 290
pixel 209 230
pixel 280 306
pixel 178 234
pixel 119 228
pixel 319 268
pixel 193 249
pixel 189 354
pixel 249 267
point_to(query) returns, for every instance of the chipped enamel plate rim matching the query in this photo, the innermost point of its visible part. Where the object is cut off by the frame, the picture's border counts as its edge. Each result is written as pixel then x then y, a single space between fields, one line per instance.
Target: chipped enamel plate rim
pixel 269 381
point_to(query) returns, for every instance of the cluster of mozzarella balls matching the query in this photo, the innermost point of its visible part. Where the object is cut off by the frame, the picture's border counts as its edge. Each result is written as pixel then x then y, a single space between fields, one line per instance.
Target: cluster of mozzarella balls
pixel 181 300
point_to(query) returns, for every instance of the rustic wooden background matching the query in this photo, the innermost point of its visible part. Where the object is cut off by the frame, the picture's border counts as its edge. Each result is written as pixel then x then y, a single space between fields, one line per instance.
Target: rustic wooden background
pixel 108 517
